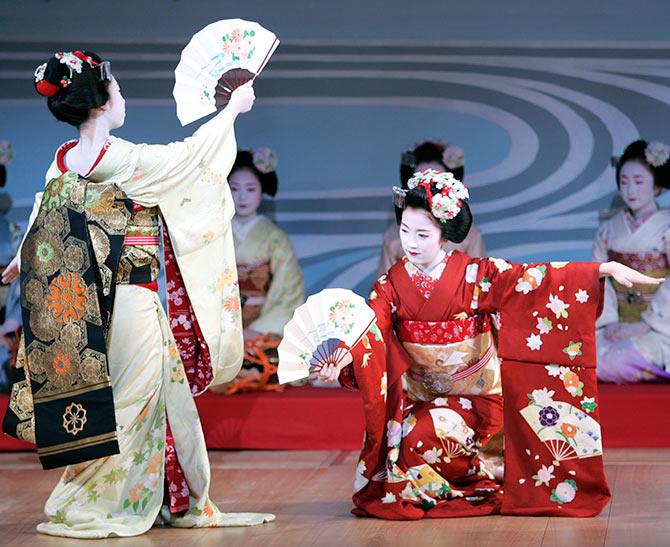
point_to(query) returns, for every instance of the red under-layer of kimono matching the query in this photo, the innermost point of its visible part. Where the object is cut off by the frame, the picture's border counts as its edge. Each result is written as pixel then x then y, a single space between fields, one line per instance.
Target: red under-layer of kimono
pixel 423 451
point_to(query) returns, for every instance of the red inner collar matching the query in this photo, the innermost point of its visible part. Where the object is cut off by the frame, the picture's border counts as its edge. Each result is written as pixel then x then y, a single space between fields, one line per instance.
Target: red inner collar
pixel 65 148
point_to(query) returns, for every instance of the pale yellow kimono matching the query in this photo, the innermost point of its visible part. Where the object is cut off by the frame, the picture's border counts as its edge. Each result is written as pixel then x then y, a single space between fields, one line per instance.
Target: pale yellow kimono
pixel 472 245
pixel 265 256
pixel 122 495
pixel 646 249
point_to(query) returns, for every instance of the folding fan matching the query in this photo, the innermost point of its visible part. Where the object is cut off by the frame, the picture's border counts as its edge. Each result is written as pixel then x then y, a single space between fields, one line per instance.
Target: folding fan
pixel 567 432
pixel 217 60
pixel 321 332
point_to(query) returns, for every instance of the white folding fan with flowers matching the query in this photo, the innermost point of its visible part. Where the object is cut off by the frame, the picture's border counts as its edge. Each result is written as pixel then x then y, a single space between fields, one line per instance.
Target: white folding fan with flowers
pixel 321 332
pixel 218 59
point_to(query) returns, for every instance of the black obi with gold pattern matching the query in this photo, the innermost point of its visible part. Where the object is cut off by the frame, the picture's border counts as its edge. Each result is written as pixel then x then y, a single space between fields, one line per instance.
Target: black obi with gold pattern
pixel 87 239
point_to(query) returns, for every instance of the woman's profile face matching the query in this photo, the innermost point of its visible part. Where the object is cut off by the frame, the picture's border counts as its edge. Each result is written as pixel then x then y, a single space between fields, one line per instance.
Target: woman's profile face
pixel 636 185
pixel 247 192
pixel 420 237
pixel 116 111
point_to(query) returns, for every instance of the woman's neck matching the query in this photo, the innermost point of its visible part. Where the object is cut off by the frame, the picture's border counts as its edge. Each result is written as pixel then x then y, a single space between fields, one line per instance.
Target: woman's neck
pixel 439 258
pixel 92 135
pixel 246 219
pixel 643 213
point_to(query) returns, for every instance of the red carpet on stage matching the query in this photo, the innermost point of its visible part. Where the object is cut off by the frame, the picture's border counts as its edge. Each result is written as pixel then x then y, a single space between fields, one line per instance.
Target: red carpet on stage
pixel 307 418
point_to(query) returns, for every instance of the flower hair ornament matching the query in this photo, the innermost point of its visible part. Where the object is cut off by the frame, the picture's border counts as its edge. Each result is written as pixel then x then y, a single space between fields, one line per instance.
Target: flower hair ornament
pixel 73 60
pixel 446 204
pixel 657 154
pixel 265 160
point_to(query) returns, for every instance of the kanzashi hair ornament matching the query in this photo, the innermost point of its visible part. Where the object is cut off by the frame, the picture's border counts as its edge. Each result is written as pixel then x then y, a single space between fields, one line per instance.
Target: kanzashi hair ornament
pixel 448 201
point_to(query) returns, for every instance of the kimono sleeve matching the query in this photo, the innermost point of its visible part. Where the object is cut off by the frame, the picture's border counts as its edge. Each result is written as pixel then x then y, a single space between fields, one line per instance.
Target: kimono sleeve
pixel 372 349
pixel 159 169
pixel 610 312
pixel 287 290
pixel 548 311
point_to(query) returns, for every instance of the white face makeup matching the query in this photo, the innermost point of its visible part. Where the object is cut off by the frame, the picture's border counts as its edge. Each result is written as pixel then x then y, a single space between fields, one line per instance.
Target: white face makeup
pixel 116 106
pixel 636 186
pixel 420 237
pixel 247 192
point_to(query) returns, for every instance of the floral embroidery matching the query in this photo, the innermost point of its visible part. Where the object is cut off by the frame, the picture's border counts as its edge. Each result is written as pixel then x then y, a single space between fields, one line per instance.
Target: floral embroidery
pixel 582 296
pixel 383 385
pixel 531 279
pixel 589 404
pixel 58 191
pixel 549 416
pixel 471 273
pixel 485 284
pixel 572 383
pixel 67 298
pixel 534 342
pixel 564 492
pixel 394 433
pixel 573 350
pixel 544 325
pixel 501 264
pixel 542 396
pixel 544 475
pixel 569 430
pixel 557 306
pixel 74 418
pixel 389 498
pixel 466 404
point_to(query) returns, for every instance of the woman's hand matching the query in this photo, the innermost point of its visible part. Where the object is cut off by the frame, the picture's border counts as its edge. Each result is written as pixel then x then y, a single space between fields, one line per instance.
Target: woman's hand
pixel 623 331
pixel 627 276
pixel 330 373
pixel 11 272
pixel 242 99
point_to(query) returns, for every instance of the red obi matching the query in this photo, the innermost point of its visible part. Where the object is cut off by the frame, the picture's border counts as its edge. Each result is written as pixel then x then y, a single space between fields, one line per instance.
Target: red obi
pixel 442 332
pixel 642 262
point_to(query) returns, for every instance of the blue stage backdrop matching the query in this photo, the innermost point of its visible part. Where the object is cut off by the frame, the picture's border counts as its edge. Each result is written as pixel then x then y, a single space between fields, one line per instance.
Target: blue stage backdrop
pixel 539 106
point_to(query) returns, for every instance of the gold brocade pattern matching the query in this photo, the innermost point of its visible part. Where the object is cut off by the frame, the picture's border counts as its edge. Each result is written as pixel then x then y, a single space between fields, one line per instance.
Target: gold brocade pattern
pixel 61 306
pixel 434 366
pixel 74 418
pixel 144 222
pixel 633 301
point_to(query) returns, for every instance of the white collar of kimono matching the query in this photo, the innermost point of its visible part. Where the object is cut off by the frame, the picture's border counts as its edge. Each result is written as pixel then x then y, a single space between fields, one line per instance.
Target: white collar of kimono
pixel 433 272
pixel 242 229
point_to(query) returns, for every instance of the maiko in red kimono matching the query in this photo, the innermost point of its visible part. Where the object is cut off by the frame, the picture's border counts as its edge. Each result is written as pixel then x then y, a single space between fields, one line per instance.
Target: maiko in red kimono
pixel 456 355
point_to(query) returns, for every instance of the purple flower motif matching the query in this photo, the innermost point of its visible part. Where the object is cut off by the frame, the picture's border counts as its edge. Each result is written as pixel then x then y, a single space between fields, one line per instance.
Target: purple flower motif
pixel 548 416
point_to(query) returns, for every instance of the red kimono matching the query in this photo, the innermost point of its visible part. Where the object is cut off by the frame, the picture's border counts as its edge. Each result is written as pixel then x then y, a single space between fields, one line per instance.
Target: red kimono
pixel 457 354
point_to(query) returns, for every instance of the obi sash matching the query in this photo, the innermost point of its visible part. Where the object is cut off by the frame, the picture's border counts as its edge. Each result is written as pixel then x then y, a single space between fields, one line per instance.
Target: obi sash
pixel 62 399
pixel 632 301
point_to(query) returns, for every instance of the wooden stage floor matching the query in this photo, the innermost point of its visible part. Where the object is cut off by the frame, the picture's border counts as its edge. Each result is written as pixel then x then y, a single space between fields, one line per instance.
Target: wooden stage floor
pixel 310 494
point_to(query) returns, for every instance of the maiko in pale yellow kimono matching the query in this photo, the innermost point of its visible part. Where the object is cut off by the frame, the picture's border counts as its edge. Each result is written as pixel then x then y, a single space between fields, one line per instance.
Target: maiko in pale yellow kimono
pixel 472 245
pixel 122 495
pixel 645 248
pixel 269 275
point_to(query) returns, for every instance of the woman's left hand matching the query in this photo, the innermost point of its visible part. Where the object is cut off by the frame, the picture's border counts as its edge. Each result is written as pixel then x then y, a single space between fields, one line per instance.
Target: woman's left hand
pixel 627 276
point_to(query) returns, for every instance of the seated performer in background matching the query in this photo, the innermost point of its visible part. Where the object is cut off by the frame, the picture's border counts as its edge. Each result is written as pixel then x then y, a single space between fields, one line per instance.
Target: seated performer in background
pixel 429 155
pixel 271 283
pixel 437 328
pixel 634 329
pixel 104 389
